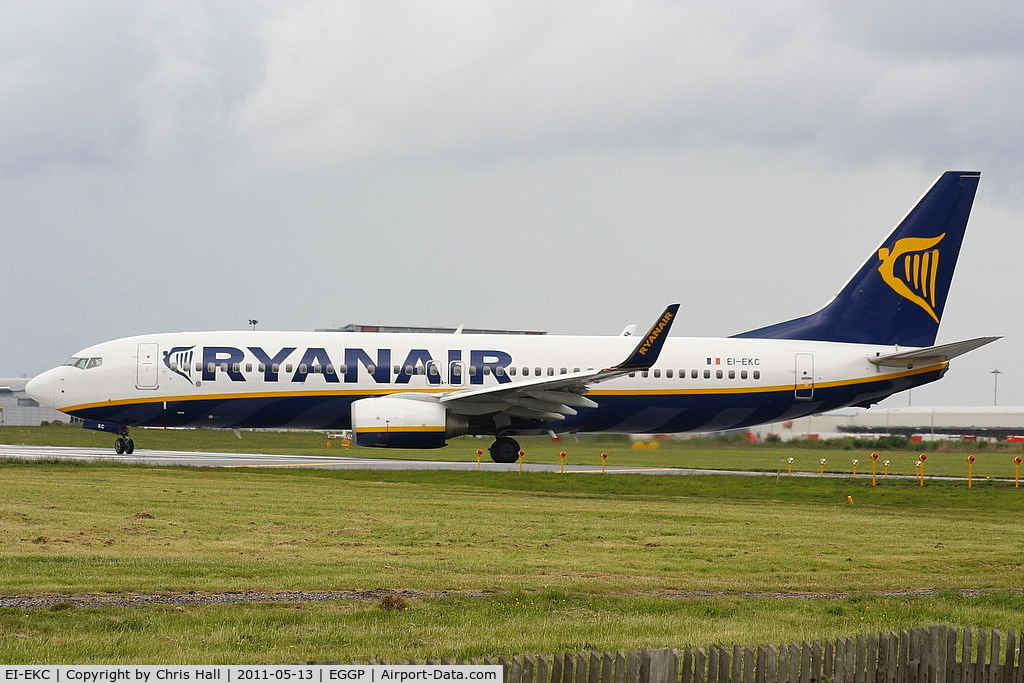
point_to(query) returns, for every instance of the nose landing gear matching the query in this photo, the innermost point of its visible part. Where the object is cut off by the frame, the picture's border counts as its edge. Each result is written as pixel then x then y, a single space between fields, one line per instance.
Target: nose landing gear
pixel 123 445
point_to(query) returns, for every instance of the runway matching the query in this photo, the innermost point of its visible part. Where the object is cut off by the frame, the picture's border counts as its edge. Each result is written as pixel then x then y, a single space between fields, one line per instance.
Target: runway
pixel 200 459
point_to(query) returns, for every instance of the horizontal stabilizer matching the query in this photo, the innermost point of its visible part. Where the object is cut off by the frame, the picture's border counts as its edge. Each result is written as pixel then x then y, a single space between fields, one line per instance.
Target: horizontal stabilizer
pixel 932 354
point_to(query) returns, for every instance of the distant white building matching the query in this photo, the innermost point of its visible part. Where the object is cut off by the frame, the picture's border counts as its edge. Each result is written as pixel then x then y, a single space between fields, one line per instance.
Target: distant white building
pixel 997 423
pixel 18 409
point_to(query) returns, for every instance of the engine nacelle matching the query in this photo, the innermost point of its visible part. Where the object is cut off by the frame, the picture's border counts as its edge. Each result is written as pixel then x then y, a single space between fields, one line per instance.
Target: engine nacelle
pixel 404 422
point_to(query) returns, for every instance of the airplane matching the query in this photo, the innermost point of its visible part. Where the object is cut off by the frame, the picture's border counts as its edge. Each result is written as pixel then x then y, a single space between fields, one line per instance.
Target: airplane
pixel 875 338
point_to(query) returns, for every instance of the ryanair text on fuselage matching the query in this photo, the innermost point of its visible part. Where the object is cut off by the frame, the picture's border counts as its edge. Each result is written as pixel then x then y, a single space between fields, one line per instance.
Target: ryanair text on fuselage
pixel 230 361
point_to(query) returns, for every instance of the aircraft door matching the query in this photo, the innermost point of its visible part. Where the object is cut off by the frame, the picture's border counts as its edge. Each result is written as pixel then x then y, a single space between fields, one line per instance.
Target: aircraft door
pixel 804 380
pixel 147 376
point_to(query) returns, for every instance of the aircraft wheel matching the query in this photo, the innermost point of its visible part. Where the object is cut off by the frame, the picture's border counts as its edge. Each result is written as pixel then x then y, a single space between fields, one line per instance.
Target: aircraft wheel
pixel 129 446
pixel 505 449
pixel 120 445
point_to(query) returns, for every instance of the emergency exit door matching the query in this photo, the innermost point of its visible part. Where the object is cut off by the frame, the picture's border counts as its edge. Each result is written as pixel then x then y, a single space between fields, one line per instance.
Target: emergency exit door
pixel 804 386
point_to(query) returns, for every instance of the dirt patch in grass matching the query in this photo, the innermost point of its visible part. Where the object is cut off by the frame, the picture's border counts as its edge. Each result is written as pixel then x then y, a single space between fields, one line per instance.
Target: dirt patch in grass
pixel 387 599
pixel 224 598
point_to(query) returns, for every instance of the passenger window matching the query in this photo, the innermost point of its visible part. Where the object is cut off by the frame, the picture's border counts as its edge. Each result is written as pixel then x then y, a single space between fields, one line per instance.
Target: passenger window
pixel 732 374
pixel 563 371
pixel 743 374
pixel 668 373
pixel 707 374
pixel 693 374
pixel 512 372
pixel 757 374
pixel 718 374
pixel 248 367
pixel 657 373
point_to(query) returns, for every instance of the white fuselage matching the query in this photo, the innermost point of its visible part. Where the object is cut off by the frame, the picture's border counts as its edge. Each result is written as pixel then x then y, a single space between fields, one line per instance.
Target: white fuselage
pixel 309 380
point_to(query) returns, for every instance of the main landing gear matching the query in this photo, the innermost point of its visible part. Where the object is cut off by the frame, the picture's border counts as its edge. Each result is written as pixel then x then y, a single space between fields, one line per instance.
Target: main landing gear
pixel 505 449
pixel 124 445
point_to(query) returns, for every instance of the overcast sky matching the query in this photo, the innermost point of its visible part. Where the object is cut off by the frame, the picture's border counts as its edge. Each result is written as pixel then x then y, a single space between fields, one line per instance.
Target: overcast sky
pixel 569 166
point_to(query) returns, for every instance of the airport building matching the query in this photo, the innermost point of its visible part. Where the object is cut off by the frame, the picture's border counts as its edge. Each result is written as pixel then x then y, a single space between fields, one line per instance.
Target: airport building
pixel 398 329
pixel 995 423
pixel 18 409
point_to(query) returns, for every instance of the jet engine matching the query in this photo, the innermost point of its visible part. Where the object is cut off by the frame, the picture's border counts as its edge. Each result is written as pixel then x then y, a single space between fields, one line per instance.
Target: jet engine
pixel 406 421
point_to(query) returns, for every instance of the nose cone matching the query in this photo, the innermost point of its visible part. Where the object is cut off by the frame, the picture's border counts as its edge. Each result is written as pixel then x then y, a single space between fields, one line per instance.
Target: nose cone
pixel 41 388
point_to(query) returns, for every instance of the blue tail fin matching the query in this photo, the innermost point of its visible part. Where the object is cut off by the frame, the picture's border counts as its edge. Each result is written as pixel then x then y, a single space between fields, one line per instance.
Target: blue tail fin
pixel 897 296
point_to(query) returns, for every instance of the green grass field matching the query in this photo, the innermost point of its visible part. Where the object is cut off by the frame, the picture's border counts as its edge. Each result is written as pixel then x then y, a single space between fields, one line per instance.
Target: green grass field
pixel 540 562
pixel 944 458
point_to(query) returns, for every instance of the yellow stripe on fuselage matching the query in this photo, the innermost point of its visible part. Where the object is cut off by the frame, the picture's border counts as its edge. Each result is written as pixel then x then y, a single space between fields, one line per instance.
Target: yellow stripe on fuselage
pixel 256 394
pixel 404 430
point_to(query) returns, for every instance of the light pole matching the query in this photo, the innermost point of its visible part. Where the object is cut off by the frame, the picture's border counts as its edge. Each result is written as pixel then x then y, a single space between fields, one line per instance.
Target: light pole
pixel 253 321
pixel 995 386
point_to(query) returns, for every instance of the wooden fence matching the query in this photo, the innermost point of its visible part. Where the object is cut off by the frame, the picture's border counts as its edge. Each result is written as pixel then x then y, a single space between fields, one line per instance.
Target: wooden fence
pixel 937 654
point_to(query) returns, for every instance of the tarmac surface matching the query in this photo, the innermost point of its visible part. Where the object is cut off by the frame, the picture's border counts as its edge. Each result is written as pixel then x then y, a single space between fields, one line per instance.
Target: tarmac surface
pixel 202 459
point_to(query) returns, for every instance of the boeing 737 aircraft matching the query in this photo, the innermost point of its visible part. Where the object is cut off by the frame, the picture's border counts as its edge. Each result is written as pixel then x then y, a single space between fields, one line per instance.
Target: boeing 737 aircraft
pixel 875 338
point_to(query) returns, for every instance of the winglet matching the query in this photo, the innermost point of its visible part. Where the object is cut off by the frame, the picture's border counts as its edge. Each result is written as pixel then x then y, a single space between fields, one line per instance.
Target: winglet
pixel 647 351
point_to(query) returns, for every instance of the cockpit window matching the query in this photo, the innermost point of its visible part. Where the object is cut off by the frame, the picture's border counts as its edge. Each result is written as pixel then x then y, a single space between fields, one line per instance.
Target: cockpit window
pixel 85 363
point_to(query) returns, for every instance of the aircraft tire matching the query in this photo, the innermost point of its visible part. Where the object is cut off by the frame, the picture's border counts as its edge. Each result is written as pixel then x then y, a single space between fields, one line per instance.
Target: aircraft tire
pixel 119 446
pixel 505 450
pixel 129 446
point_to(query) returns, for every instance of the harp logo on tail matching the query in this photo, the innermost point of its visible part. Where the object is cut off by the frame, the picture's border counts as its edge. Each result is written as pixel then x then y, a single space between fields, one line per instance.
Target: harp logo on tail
pixel 911 268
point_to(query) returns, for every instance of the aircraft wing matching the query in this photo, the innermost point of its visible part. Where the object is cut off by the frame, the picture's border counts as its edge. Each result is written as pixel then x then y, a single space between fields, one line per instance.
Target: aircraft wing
pixel 932 354
pixel 555 398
